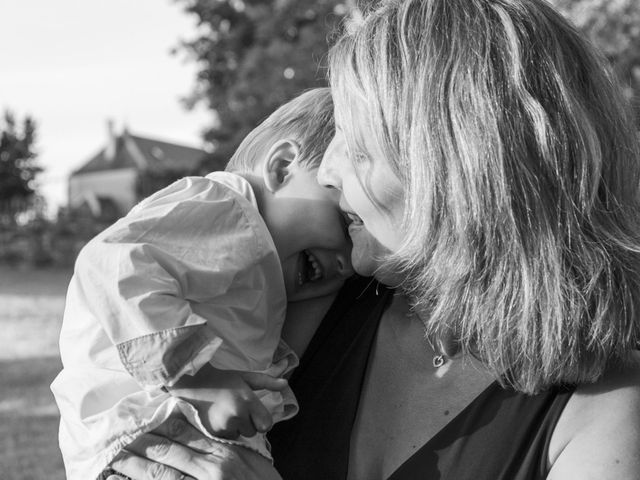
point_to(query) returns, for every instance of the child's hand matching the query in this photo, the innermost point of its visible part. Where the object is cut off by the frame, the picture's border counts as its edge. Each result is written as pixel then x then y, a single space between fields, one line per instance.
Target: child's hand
pixel 225 400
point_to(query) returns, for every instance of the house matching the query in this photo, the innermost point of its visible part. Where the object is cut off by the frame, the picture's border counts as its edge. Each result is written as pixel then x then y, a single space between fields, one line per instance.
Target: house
pixel 127 169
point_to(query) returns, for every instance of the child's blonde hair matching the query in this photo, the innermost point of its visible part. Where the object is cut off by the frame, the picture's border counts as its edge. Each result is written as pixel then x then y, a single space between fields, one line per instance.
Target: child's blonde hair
pixel 307 120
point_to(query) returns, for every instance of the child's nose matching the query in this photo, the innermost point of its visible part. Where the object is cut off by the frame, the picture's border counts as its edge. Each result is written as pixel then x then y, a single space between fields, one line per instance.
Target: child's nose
pixel 344 263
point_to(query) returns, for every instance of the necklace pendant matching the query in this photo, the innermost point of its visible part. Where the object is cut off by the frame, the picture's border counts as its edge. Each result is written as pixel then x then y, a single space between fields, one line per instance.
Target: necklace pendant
pixel 438 361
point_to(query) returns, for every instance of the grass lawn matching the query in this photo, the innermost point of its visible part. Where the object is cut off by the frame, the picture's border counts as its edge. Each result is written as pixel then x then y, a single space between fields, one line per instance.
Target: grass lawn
pixel 31 304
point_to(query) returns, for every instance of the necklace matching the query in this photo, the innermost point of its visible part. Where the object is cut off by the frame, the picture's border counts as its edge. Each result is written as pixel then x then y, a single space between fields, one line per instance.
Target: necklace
pixel 439 360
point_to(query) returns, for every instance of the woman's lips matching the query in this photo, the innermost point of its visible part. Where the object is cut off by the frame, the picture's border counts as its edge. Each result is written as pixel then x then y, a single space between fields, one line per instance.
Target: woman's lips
pixel 354 222
pixel 351 218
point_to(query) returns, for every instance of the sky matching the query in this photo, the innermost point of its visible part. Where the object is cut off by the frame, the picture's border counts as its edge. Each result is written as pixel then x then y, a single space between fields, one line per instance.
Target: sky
pixel 73 65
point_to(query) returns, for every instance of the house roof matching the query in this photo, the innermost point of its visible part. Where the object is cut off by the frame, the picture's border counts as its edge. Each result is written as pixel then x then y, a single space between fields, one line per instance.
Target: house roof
pixel 142 153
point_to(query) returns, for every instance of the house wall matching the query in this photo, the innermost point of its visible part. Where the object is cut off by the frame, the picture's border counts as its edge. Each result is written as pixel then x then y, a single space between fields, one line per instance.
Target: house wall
pixel 119 185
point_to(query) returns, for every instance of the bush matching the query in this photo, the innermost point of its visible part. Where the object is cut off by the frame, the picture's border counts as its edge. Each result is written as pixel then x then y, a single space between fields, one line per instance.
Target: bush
pixel 47 243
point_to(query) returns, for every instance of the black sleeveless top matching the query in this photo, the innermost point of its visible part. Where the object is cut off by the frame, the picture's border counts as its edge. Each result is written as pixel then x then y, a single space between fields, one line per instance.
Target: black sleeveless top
pixel 501 435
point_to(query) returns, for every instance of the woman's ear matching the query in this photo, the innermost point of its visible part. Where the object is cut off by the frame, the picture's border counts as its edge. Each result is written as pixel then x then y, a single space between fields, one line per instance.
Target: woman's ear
pixel 276 169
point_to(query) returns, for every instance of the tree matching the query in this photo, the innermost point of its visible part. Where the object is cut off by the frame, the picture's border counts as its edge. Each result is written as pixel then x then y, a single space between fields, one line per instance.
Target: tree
pixel 255 55
pixel 614 27
pixel 18 166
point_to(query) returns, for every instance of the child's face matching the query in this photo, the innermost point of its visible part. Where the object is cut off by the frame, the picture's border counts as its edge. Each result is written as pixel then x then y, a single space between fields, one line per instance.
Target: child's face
pixel 310 236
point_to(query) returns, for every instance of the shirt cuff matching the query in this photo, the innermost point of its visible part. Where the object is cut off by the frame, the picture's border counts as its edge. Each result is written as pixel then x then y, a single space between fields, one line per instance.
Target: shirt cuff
pixel 159 359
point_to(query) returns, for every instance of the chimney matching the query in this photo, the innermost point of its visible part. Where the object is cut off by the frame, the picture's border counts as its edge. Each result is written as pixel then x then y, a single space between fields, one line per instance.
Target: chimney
pixel 112 141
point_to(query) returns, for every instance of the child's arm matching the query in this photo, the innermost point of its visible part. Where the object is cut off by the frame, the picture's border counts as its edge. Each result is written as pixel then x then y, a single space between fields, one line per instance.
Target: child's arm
pixel 143 276
pixel 140 286
pixel 226 402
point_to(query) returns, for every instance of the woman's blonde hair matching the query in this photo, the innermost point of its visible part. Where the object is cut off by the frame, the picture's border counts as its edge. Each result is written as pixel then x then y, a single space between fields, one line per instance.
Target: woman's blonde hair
pixel 520 167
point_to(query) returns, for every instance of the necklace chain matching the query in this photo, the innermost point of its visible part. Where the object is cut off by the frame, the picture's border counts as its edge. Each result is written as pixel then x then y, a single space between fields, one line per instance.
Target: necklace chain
pixel 439 360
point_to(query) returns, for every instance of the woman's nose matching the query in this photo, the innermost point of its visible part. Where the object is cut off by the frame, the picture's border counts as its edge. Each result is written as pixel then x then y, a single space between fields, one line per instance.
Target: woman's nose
pixel 327 173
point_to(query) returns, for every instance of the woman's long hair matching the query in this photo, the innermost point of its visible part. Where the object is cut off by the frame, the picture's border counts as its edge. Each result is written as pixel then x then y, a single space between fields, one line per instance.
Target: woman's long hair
pixel 521 170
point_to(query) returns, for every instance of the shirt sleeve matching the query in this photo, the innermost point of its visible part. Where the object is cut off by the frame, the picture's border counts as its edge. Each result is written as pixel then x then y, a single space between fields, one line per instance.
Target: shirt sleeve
pixel 143 275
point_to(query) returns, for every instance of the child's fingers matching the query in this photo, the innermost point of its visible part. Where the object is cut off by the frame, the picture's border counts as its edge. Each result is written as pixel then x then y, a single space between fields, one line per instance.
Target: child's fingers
pixel 232 429
pixel 260 417
pixel 262 381
pixel 247 429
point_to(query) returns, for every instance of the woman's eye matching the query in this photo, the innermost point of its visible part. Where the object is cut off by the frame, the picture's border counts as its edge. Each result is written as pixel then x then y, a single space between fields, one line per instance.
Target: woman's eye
pixel 360 158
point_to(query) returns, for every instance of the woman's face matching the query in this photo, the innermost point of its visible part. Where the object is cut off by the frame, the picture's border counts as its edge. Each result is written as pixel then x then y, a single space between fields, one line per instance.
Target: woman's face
pixel 371 196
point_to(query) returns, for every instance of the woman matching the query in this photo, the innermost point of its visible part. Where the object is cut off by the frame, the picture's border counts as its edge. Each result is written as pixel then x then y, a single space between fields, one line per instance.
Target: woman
pixel 490 170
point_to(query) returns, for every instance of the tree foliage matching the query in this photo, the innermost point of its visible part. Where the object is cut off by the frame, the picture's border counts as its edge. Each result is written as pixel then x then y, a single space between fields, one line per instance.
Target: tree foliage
pixel 256 54
pixel 614 27
pixel 18 166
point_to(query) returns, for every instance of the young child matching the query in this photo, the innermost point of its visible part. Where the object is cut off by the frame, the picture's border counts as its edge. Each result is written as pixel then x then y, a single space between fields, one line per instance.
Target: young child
pixel 179 306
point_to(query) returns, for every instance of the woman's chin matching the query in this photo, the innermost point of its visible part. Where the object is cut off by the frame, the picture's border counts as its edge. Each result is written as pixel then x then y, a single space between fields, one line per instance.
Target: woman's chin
pixel 367 252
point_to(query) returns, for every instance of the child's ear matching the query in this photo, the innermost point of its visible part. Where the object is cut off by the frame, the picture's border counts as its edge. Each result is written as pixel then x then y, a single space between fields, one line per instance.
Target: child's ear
pixel 276 169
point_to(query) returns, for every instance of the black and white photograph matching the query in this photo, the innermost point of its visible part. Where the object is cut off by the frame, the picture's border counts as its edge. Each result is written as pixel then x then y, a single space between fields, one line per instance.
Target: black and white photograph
pixel 320 240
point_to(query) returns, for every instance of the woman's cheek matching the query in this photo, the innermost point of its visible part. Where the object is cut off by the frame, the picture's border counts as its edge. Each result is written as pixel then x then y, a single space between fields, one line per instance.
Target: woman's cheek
pixel 383 217
pixel 385 230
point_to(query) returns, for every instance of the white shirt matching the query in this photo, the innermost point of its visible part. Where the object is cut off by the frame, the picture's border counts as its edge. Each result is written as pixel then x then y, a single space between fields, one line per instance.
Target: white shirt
pixel 189 276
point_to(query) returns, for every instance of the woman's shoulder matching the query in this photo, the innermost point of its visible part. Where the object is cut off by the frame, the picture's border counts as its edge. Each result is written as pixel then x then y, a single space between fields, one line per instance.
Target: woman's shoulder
pixel 598 434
